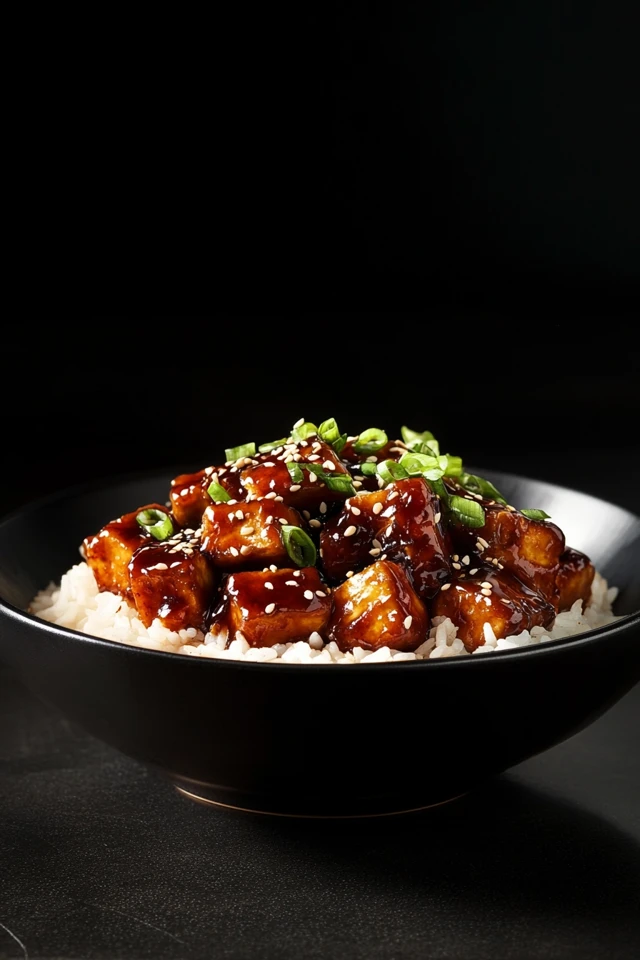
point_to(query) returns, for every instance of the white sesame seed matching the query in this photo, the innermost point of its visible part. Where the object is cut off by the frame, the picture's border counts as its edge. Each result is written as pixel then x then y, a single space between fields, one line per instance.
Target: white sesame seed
pixel 323 507
pixel 313 456
pixel 233 551
pixel 349 574
pixel 297 457
pixel 329 465
pixel 371 459
pixel 316 445
pixel 314 523
pixel 271 495
pixel 239 514
pixel 377 543
pixel 357 511
pixel 312 478
pixel 245 550
pixel 377 508
pixel 483 542
pixel 247 531
pixel 159 566
pixel 456 566
pixel 278 499
pixel 231 502
pixel 455 557
pixel 233 470
pixel 445 586
pixel 357 484
pixel 184 491
pixel 486 592
pixel 298 423
pixel 466 560
pixel 176 563
pixel 270 607
pixel 208 471
pixel 294 487
pixel 374 551
pixel 485 583
pixel 308 594
pixel 437 518
pixel 291 583
pixel 273 568
pixel 407 622
pixel 509 507
pixel 268 585
pixel 392 495
pixel 349 532
pixel 474 571
pixel 320 593
pixel 288 458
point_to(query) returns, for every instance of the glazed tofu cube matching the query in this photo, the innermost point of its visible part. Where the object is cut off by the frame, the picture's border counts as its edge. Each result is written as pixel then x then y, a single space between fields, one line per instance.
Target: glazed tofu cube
pixel 494 597
pixel 402 522
pixel 270 477
pixel 274 607
pixel 530 549
pixel 108 552
pixel 189 497
pixel 173 582
pixel 378 608
pixel 247 536
pixel 573 579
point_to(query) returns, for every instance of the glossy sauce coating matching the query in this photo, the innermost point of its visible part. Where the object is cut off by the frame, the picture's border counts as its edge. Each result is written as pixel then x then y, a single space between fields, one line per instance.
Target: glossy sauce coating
pixel 247 535
pixel 393 450
pixel 268 476
pixel 378 608
pixel 173 581
pixel 108 552
pixel 573 579
pixel 274 606
pixel 189 497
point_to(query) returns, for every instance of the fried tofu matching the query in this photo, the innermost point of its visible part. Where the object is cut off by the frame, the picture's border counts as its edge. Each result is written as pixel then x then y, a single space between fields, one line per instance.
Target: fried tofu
pixel 270 476
pixel 402 522
pixel 247 536
pixel 573 579
pixel 378 608
pixel 108 552
pixel 189 497
pixel 173 582
pixel 490 596
pixel 274 607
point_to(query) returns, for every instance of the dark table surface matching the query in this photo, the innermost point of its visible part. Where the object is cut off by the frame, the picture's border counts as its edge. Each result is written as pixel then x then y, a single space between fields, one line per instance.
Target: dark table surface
pixel 100 859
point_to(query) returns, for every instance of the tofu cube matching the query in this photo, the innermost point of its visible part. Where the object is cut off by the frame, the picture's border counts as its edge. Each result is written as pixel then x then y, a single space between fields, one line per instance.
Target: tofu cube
pixel 108 552
pixel 189 497
pixel 347 538
pixel 490 596
pixel 573 579
pixel 270 477
pixel 378 608
pixel 270 608
pixel 246 536
pixel 173 582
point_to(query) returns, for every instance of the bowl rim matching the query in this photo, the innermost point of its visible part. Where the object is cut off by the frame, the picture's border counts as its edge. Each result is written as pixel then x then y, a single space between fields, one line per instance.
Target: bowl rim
pixel 10 611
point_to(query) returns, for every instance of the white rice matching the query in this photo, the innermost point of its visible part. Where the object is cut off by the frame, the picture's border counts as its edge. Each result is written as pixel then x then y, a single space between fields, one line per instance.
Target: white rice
pixel 78 604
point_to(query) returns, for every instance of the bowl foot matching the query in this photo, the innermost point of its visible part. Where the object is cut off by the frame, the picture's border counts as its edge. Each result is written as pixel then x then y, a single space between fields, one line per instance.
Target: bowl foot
pixel 208 801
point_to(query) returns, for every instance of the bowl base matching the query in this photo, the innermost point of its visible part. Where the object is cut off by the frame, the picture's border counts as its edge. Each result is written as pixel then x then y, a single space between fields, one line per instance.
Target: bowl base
pixel 208 801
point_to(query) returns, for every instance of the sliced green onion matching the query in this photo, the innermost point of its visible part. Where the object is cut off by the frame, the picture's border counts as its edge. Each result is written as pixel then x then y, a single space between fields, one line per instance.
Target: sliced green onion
pixel 339 443
pixel 467 512
pixel 298 545
pixel 268 447
pixel 370 441
pixel 329 430
pixel 439 488
pixel 295 472
pixel 431 447
pixel 368 469
pixel 453 467
pixel 412 437
pixel 244 450
pixel 304 431
pixel 340 482
pixel 218 493
pixel 533 514
pixel 389 470
pixel 155 522
pixel 485 488
pixel 419 463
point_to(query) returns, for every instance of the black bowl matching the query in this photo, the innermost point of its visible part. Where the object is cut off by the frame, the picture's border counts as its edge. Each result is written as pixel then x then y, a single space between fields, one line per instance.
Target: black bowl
pixel 319 740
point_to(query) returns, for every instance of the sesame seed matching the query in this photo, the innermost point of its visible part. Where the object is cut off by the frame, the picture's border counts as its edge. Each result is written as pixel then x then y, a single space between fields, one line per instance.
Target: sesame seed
pixel 483 542
pixel 247 531
pixel 485 592
pixel 320 593
pixel 312 478
pixel 472 572
pixel 349 574
pixel 461 589
pixel 407 622
pixel 239 514
pixel 485 583
pixel 176 563
pixel 270 607
pixel 358 476
pixel 245 550
pixel 233 470
pixel 437 518
pixel 298 423
pixel 268 585
pixel 349 532
pixel 278 499
pixel 375 551
pixel 288 458
pixel 329 465
pixel 468 496
pixel 357 511
pixel 296 457
pixel 323 507
pixel 308 594
pixel 456 566
pixel 306 514
pixel 392 495
pixel 313 456
pixel 316 445
pixel 357 484
pixel 314 523
pixel 268 463
pixel 455 557
pixel 160 566
pixel 377 508
pixel 509 507
pixel 445 586
pixel 271 495
pixel 371 459
pixel 294 487
pixel 233 551
pixel 273 568
pixel 208 471
pixel 231 502
pixel 184 491
pixel 377 543
pixel 466 560
pixel 291 583
pixel 296 573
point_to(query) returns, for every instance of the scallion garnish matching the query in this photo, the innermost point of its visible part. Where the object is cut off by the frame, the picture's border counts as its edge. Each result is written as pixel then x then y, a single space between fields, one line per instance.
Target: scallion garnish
pixel 298 545
pixel 244 450
pixel 155 522
pixel 370 441
pixel 268 447
pixel 304 431
pixel 329 430
pixel 533 514
pixel 467 512
pixel 389 470
pixel 341 482
pixel 295 472
pixel 339 443
pixel 454 466
pixel 218 493
pixel 475 484
pixel 368 469
pixel 419 464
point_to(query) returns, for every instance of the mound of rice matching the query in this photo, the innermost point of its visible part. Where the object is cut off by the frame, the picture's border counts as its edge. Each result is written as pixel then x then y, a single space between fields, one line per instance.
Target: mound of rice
pixel 78 604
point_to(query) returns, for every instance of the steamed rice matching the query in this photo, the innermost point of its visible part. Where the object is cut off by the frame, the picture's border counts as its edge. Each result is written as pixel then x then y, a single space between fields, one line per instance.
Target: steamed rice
pixel 78 604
